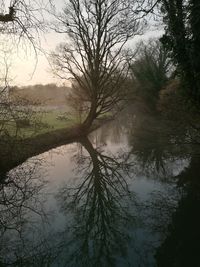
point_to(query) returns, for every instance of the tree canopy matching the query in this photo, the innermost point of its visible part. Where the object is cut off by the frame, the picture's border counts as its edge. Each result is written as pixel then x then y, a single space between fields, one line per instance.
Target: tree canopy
pixel 94 55
pixel 182 39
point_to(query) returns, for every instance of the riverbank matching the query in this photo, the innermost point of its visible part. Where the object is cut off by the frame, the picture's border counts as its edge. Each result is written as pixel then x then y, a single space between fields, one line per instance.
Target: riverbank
pixel 15 152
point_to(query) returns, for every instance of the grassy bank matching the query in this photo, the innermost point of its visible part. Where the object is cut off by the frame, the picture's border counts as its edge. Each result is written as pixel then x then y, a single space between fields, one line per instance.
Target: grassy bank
pixel 42 122
pixel 39 123
pixel 15 151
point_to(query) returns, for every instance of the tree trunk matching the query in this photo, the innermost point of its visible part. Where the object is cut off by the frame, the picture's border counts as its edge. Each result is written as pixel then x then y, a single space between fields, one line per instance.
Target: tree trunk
pixel 195 58
pixel 91 116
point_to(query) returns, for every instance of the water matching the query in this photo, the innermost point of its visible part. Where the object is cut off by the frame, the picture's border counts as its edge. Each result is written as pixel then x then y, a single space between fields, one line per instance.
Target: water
pixel 110 199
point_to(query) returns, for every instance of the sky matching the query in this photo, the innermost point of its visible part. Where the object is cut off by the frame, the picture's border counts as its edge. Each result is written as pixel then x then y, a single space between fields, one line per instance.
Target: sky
pixel 27 69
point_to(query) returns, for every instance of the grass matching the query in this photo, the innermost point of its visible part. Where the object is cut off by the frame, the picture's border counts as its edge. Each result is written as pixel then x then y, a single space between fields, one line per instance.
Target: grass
pixel 42 122
pixel 53 120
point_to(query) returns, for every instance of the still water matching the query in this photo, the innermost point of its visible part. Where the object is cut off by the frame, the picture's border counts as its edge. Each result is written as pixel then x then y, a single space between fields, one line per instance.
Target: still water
pixel 109 199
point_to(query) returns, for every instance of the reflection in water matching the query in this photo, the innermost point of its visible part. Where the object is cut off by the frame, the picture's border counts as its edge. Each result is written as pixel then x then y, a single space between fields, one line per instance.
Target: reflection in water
pixel 181 246
pixel 174 212
pixel 156 151
pixel 100 208
pixel 84 211
pixel 21 212
pixel 98 213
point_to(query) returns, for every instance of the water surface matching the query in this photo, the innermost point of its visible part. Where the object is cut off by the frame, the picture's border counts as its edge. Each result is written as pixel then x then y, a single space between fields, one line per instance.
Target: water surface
pixel 110 199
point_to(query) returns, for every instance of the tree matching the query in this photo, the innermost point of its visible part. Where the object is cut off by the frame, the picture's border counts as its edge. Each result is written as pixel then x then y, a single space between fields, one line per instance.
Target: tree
pixel 21 17
pixel 150 71
pixel 94 56
pixel 182 39
pixel 23 21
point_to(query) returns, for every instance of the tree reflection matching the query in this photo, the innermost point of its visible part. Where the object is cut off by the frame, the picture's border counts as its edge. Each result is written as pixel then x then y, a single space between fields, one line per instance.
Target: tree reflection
pixel 21 213
pixel 100 209
pixel 172 215
pixel 181 245
pixel 157 146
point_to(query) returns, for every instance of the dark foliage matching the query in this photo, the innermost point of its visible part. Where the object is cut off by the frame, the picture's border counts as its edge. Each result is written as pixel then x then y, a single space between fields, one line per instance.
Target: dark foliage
pixel 182 39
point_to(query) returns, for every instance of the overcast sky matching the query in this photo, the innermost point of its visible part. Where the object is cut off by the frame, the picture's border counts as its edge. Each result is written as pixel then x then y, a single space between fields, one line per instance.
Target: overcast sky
pixel 25 69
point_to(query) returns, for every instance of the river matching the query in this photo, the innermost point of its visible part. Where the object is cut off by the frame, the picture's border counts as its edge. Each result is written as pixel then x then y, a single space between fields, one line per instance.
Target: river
pixel 119 197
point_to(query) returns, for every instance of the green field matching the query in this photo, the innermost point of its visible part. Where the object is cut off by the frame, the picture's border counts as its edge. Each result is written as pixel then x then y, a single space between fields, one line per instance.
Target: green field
pixel 41 122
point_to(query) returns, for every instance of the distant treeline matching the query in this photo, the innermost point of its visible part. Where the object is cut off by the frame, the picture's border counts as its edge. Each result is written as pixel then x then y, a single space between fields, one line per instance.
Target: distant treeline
pixel 49 94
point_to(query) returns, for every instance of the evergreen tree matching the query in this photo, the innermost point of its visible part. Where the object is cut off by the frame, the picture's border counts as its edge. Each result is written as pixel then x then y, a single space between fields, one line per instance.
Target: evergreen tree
pixel 182 39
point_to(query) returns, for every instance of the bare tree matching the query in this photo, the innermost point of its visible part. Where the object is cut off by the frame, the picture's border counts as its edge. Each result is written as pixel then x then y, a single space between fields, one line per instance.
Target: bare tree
pixel 94 55
pixel 22 16
pixel 20 20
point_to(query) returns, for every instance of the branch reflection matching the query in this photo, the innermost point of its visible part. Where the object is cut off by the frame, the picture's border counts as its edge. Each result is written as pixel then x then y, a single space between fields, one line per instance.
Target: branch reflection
pixel 157 151
pixel 101 208
pixel 180 246
pixel 23 242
